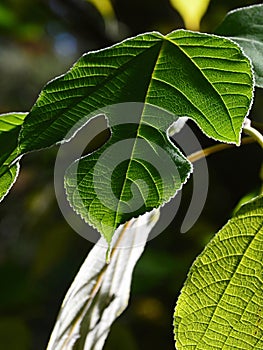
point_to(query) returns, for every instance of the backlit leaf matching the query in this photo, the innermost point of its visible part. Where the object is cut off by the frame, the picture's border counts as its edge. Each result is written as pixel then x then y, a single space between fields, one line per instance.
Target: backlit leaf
pixel 220 306
pixel 142 85
pixel 10 126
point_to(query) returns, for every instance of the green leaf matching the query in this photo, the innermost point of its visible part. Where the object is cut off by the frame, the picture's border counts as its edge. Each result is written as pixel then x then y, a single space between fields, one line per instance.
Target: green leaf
pixel 7 180
pixel 204 77
pixel 10 126
pixel 245 27
pixel 220 306
pixel 137 170
pixel 100 292
pixel 187 73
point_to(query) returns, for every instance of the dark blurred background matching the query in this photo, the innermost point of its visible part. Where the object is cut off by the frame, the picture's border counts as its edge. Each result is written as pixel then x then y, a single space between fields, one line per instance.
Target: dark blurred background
pixel 39 252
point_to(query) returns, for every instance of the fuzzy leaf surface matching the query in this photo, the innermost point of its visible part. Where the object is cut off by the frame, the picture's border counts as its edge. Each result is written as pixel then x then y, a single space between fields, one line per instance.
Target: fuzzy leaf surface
pixel 220 306
pixel 204 77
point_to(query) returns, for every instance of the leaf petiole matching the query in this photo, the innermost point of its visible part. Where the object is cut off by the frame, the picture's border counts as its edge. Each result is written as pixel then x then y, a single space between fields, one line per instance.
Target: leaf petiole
pixel 194 157
pixel 254 133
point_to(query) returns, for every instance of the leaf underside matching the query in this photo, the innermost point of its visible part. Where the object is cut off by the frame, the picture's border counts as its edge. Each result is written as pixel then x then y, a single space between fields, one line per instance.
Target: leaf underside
pixel 220 306
pixel 244 26
pixel 204 77
pixel 100 292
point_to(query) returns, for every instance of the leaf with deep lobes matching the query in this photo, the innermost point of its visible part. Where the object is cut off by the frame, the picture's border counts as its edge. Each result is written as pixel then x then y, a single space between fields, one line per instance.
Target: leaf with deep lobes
pixel 156 79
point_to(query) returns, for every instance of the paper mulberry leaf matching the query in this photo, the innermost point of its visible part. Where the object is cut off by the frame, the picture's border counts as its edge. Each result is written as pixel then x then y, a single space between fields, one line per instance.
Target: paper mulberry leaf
pixel 220 306
pixel 157 79
pixel 202 76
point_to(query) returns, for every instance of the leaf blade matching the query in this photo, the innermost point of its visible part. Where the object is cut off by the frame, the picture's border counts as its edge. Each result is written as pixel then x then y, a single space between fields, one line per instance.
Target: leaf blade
pixel 67 99
pixel 7 180
pixel 181 74
pixel 146 171
pixel 220 304
pixel 10 126
pixel 244 27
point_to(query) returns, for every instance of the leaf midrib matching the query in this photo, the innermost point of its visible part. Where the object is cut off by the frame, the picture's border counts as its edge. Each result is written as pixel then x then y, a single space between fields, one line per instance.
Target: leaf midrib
pixel 137 134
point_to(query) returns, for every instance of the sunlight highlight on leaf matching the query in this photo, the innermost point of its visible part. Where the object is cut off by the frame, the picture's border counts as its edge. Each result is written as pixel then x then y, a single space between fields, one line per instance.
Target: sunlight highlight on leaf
pixel 220 306
pixel 10 126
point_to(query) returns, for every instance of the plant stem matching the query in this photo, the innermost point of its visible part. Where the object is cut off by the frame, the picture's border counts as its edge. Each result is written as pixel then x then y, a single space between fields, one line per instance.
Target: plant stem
pixel 214 149
pixel 254 133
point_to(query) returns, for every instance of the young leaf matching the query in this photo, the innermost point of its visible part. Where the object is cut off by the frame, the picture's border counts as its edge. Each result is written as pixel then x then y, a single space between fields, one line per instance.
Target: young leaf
pixel 245 27
pixel 204 77
pixel 10 125
pixel 220 306
pixel 100 292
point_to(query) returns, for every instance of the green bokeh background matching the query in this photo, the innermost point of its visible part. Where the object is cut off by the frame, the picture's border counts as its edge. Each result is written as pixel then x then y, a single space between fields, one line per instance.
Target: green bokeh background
pixel 39 251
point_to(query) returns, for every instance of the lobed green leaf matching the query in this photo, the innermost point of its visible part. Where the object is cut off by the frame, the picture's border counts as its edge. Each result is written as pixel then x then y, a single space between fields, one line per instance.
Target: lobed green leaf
pixel 204 77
